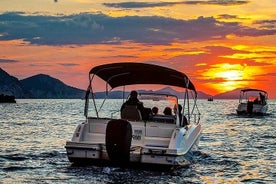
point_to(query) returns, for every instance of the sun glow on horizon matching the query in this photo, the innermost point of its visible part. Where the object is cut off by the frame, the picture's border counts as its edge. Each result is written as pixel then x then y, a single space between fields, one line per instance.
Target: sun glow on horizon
pixel 226 77
pixel 226 71
pixel 231 75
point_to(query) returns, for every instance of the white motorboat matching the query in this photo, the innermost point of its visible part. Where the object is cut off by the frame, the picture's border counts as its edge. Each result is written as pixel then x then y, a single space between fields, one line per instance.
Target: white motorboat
pixel 252 102
pixel 126 137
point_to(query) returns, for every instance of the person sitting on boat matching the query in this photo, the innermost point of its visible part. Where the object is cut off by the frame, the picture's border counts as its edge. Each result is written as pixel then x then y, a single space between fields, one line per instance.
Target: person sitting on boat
pixel 167 111
pixel 154 110
pixel 256 101
pixel 181 116
pixel 133 100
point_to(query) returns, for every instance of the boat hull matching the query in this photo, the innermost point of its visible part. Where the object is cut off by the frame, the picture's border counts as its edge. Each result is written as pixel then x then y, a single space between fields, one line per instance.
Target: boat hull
pixel 85 155
pixel 166 150
pixel 251 109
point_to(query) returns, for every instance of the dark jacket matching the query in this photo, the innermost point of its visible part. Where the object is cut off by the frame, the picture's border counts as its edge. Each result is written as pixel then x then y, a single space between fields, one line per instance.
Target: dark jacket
pixel 134 101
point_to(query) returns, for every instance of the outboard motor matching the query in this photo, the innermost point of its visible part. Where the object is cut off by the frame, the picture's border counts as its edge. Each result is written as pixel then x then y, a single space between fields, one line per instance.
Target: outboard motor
pixel 118 141
pixel 249 107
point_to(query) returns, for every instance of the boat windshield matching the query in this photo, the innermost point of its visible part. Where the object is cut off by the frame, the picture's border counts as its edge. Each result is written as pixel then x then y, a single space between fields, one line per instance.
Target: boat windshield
pixel 253 99
pixel 161 101
pixel 253 96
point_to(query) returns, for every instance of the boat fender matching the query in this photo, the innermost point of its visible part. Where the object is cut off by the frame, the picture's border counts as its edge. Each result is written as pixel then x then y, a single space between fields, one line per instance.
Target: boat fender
pixel 118 141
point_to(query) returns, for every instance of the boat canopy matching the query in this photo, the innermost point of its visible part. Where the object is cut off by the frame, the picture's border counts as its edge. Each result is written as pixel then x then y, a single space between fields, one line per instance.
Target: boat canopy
pixel 121 74
pixel 250 89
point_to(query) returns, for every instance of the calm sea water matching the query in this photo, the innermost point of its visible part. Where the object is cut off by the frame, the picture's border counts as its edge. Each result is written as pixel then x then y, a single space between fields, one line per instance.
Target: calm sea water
pixel 232 149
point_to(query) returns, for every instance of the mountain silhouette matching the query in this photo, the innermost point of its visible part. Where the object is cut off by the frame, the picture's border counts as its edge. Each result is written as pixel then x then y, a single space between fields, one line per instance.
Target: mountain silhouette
pixel 10 85
pixel 45 86
pixel 234 94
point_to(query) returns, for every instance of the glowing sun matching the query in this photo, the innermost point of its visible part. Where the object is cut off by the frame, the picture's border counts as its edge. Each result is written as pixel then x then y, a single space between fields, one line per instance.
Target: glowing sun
pixel 231 75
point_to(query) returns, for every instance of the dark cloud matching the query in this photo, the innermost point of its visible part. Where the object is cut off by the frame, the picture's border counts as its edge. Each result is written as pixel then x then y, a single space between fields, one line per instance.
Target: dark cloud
pixel 265 76
pixel 220 50
pixel 119 56
pixel 270 74
pixel 227 16
pixel 40 65
pixel 68 64
pixel 140 4
pixel 219 2
pixel 8 61
pixel 266 24
pixel 158 4
pixel 98 28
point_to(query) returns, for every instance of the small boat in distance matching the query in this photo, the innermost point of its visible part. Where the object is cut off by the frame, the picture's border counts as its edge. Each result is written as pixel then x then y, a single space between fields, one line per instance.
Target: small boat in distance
pixel 126 135
pixel 252 102
pixel 210 98
pixel 7 98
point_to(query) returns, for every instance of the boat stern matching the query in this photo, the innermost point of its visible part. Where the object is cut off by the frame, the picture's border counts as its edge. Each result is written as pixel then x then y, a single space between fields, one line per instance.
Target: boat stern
pixel 79 152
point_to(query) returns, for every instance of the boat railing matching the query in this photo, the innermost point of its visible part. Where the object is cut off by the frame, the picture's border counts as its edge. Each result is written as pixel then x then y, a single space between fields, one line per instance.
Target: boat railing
pixel 115 114
pixel 194 118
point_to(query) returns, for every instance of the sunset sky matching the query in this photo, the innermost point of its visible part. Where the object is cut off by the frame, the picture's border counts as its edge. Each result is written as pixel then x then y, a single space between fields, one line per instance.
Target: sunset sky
pixel 220 44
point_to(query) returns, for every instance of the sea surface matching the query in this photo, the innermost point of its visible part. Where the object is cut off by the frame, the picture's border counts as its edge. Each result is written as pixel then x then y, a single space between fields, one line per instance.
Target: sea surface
pixel 232 149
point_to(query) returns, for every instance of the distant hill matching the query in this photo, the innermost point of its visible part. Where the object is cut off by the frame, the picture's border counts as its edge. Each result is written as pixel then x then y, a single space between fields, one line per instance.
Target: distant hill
pixel 235 94
pixel 44 86
pixel 111 95
pixel 10 85
pixel 169 90
pixel 200 95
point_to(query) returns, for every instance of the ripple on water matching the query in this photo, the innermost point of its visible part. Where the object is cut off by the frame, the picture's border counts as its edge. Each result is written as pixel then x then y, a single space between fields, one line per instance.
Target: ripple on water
pixel 232 149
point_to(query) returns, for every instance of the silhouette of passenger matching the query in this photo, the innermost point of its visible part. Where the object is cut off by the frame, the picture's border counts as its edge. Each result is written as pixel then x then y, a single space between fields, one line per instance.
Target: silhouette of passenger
pixel 262 97
pixel 133 100
pixel 256 101
pixel 154 110
pixel 167 111
pixel 180 110
pixel 185 121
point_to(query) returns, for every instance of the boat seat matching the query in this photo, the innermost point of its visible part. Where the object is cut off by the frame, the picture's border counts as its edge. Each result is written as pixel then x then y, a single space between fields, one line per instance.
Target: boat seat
pixel 131 112
pixel 164 118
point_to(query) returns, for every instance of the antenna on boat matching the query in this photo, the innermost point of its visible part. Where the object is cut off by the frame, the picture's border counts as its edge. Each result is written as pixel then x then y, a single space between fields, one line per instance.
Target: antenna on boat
pixel 93 96
pixel 86 102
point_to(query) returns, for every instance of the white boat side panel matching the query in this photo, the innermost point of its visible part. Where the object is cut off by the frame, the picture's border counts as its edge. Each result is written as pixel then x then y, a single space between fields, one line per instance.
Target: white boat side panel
pixel 85 153
pixel 97 131
pixel 257 108
pixel 157 142
pixel 138 134
pixel 182 141
pixel 176 138
pixel 242 107
pixel 158 159
pixel 154 129
pixel 94 138
pixel 97 125
pixel 78 133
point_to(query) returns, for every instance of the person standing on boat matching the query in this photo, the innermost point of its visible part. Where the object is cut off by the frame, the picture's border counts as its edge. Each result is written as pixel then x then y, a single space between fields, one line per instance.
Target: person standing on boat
pixel 262 97
pixel 133 100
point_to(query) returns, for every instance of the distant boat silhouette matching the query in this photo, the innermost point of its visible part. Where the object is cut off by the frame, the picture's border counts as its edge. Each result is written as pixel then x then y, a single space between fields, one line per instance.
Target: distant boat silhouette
pixel 252 102
pixel 210 99
pixel 7 98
